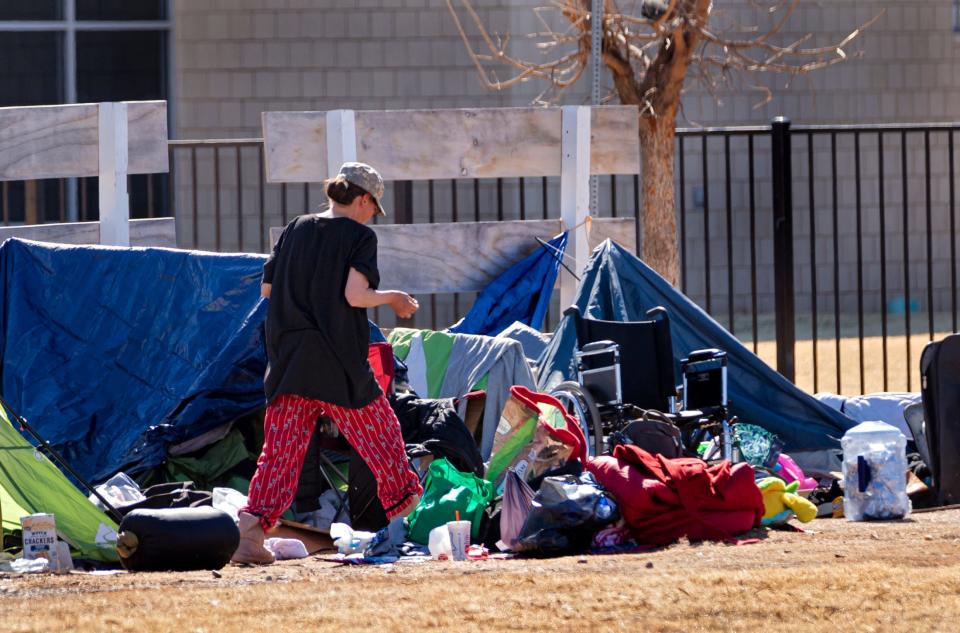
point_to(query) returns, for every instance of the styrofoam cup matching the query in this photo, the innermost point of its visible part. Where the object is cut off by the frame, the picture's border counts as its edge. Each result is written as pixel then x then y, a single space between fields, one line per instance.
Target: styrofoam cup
pixel 459 538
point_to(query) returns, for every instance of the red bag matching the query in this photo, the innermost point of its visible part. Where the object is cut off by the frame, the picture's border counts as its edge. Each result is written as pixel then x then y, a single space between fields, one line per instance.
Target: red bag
pixel 380 357
pixel 664 499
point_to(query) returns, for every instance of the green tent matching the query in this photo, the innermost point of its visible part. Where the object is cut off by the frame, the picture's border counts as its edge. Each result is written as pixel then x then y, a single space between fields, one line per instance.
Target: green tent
pixel 30 483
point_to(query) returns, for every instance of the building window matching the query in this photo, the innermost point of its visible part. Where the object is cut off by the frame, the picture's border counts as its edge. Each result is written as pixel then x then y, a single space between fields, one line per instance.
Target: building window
pixel 82 51
pixel 33 10
pixel 956 16
pixel 121 10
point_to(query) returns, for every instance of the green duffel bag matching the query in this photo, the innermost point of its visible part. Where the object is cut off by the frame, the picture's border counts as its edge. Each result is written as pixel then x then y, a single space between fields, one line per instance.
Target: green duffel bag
pixel 446 492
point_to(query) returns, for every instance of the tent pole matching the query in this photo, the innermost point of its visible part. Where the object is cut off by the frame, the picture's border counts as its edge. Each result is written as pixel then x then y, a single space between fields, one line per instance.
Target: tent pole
pixel 553 250
pixel 57 457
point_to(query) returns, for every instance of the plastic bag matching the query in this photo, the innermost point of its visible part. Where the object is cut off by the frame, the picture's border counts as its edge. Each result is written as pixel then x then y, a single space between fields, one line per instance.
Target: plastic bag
pixel 789 471
pixel 518 423
pixel 439 543
pixel 25 565
pixel 229 500
pixel 350 541
pixel 119 490
pixel 759 447
pixel 64 560
pixel 566 513
pixel 517 502
pixel 447 491
pixel 535 435
pixel 286 548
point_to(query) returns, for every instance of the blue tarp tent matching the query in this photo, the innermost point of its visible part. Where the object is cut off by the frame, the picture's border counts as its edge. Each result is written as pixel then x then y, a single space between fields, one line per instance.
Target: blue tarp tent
pixel 521 293
pixel 113 354
pixel 617 286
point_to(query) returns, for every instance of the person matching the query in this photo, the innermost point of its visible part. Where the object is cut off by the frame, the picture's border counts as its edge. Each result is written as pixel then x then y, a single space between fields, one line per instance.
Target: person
pixel 320 279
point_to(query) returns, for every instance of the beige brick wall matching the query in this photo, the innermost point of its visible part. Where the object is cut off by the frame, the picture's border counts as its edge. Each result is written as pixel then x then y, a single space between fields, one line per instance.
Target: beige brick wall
pixel 238 58
pixel 907 71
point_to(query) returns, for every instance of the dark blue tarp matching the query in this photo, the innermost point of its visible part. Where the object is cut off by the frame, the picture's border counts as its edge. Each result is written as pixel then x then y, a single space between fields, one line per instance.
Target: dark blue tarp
pixel 113 354
pixel 521 293
pixel 617 286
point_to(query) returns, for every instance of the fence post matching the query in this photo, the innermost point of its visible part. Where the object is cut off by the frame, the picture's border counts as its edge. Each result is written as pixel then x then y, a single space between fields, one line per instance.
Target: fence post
pixel 783 245
pixel 113 153
pixel 341 139
pixel 574 193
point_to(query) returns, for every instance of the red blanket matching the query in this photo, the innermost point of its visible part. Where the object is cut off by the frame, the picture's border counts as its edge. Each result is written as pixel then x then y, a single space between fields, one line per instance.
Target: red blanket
pixel 664 499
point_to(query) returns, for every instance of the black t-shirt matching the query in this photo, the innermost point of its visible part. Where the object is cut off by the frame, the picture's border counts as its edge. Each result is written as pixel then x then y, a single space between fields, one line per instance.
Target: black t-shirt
pixel 316 342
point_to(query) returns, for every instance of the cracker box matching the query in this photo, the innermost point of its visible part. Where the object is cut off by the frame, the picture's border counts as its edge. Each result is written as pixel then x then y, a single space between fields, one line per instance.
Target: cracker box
pixel 40 538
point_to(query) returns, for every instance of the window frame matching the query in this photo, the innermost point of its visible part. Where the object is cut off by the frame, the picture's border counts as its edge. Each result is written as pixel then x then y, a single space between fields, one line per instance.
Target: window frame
pixel 69 25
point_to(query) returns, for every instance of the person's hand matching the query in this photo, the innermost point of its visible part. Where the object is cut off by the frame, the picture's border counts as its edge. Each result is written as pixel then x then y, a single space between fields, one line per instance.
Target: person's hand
pixel 403 304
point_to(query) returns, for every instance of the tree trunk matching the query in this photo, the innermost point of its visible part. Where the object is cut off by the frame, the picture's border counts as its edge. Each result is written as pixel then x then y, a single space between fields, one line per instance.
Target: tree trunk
pixel 660 240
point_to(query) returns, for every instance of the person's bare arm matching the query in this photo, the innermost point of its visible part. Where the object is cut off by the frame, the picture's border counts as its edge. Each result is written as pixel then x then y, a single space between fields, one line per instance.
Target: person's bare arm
pixel 265 290
pixel 359 294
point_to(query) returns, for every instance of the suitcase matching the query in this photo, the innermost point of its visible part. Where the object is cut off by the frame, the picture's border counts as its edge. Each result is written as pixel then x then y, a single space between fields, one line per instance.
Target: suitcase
pixel 940 390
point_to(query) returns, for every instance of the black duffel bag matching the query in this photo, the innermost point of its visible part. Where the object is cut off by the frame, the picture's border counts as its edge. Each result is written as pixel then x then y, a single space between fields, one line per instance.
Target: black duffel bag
pixel 177 539
pixel 654 432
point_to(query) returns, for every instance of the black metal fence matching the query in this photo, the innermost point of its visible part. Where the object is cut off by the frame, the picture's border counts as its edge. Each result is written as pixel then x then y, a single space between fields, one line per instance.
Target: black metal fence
pixel 223 203
pixel 843 236
pixel 829 250
pixel 821 247
pixel 75 199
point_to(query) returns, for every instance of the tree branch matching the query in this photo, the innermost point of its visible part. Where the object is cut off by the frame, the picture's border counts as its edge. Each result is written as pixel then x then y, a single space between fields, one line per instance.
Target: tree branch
pixel 650 50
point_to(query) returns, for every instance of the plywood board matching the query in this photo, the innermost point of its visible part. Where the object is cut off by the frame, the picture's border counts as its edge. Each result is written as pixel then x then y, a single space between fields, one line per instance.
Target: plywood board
pixel 452 257
pixel 295 145
pixel 152 232
pixel 147 137
pixel 615 140
pixel 456 143
pixel 623 231
pixel 61 141
pixel 455 257
pixel 466 256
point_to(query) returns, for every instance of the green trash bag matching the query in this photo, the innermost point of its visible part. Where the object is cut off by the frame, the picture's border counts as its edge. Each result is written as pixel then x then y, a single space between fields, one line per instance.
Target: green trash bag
pixel 447 491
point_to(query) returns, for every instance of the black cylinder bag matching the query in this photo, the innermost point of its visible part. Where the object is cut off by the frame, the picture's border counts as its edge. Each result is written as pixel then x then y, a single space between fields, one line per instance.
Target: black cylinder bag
pixel 177 539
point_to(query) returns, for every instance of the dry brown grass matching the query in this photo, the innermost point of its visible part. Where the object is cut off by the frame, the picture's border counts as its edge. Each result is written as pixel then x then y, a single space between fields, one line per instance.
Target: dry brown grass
pixel 839 576
pixel 873 369
pixel 897 366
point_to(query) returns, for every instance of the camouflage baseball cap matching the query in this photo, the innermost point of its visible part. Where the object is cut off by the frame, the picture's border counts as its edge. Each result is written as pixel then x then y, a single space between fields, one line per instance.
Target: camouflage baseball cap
pixel 365 177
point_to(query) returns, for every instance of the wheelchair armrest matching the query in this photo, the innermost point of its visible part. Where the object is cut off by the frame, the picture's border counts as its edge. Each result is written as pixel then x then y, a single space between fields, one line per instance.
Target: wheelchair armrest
pixel 704 354
pixel 716 411
pixel 598 346
pixel 685 417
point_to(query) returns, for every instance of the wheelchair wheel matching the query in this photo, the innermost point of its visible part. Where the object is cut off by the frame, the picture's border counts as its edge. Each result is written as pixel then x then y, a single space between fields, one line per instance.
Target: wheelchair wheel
pixel 581 405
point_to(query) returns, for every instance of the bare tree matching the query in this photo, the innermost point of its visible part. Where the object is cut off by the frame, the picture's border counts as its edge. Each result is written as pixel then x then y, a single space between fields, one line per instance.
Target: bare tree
pixel 650 50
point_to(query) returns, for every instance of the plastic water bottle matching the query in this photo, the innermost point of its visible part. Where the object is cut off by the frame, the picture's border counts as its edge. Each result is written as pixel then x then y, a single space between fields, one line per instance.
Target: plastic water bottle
pixel 875 472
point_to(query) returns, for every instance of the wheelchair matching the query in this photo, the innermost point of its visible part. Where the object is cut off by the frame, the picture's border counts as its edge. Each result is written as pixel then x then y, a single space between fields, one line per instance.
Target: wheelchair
pixel 625 371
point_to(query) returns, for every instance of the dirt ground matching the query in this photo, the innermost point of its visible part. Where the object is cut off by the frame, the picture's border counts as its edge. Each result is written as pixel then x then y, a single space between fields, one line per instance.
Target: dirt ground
pixel 837 575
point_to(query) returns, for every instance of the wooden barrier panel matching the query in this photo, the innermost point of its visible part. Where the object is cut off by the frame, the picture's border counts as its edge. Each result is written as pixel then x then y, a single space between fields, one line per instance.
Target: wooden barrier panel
pixel 452 257
pixel 295 146
pixel 623 231
pixel 61 141
pixel 442 144
pixel 152 232
pixel 466 256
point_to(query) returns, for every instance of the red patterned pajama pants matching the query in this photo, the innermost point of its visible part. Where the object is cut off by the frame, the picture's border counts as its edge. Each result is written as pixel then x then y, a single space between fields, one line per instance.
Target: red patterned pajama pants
pixel 373 431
